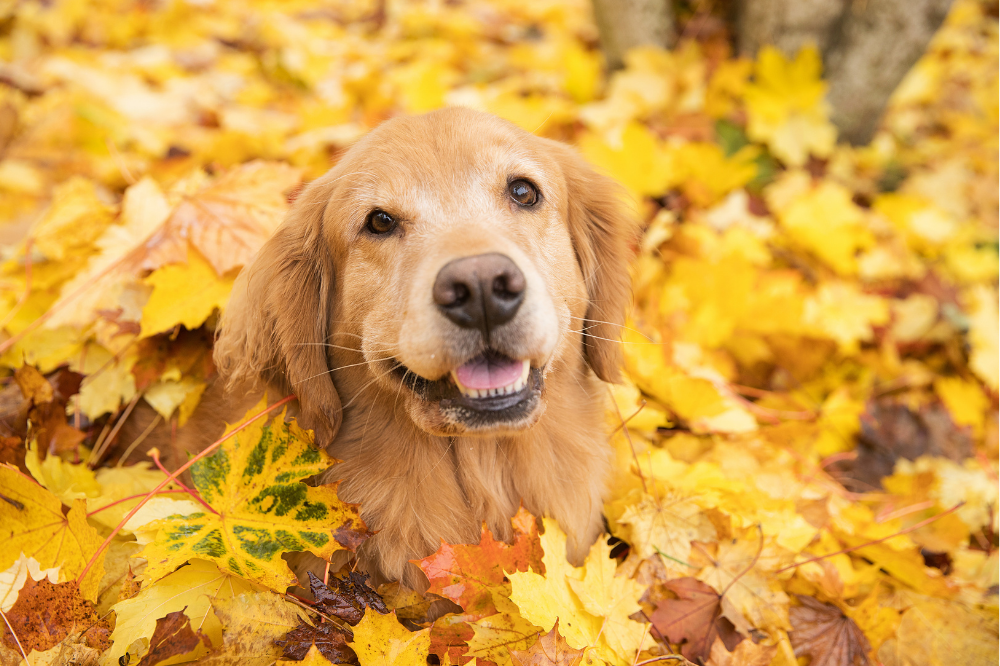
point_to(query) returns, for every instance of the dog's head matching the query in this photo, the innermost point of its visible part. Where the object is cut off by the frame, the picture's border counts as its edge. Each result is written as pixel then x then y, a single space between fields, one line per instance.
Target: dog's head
pixel 452 261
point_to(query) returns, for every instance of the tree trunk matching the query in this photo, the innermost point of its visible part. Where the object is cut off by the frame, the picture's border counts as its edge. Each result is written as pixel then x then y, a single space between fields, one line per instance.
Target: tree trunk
pixel 786 24
pixel 624 24
pixel 868 46
pixel 878 44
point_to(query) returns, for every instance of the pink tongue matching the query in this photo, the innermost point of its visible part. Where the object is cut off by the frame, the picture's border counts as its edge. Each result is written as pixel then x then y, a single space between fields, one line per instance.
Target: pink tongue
pixel 489 373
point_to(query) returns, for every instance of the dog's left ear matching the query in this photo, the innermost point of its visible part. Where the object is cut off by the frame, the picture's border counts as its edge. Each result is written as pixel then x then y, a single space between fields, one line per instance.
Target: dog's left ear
pixel 603 229
pixel 274 327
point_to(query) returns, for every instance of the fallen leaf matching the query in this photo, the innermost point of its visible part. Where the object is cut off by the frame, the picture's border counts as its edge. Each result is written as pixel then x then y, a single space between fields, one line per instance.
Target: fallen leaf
pixel 172 637
pixel 496 636
pixel 191 590
pixel 253 622
pixel 228 219
pixel 14 578
pixel 314 657
pixel 324 638
pixel 252 481
pixel 45 613
pixel 184 294
pixel 32 522
pixel 380 640
pixel 694 619
pixel 348 598
pixel 466 574
pixel 826 635
pixel 551 649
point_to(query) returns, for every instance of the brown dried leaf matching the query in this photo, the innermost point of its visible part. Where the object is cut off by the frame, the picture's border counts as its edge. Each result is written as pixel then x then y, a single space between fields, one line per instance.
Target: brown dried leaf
pixel 34 386
pixel 348 598
pixel 551 649
pixel 694 619
pixel 329 639
pixel 829 637
pixel 173 636
pixel 46 613
pixel 891 430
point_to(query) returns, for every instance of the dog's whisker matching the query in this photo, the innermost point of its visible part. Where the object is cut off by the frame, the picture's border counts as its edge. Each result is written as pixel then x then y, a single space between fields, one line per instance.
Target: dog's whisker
pixel 361 390
pixel 341 367
pixel 611 323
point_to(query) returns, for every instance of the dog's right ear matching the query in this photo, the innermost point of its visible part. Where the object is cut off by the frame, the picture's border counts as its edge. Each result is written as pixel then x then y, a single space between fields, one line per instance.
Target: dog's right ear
pixel 273 329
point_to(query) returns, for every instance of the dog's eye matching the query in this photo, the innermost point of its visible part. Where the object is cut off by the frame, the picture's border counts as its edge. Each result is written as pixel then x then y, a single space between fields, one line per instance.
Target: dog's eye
pixel 523 192
pixel 380 222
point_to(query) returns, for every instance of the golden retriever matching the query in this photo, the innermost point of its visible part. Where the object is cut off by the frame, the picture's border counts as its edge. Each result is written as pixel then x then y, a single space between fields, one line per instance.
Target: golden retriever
pixel 445 304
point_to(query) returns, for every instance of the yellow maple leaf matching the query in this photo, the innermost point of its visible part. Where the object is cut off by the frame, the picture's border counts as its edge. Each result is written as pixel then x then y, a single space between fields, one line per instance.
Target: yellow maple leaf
pixel 32 522
pixel 168 395
pixel 253 621
pixel 613 598
pixel 261 508
pixel 109 381
pixel 666 524
pixel 191 589
pixel 786 108
pixel 639 160
pixel 184 294
pixel 496 635
pixel 380 640
pixel 825 221
pixel 544 599
pixel 102 282
pixel 591 603
pixel 938 631
pixel 76 217
pixel 841 312
pixel 63 479
pixel 965 401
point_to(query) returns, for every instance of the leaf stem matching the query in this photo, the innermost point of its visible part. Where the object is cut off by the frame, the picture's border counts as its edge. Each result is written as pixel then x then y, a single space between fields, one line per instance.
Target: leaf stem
pixel 909 529
pixel 171 477
pixel 155 455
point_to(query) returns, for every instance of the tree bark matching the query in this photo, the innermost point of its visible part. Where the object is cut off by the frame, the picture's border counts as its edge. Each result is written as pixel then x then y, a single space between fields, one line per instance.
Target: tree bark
pixel 624 24
pixel 879 42
pixel 868 46
pixel 787 24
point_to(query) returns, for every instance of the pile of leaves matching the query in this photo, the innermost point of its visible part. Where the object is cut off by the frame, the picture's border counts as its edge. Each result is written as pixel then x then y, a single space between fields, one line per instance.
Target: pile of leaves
pixel 806 442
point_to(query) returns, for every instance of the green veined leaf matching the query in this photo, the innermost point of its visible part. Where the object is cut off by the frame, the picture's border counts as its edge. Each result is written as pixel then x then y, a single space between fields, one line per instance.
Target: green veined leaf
pixel 254 483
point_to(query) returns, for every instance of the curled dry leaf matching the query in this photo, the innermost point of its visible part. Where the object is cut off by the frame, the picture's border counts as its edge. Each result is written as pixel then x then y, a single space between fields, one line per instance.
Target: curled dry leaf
pixel 327 638
pixel 348 597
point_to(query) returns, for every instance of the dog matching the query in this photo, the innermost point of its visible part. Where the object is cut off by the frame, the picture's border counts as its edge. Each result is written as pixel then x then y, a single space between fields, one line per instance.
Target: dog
pixel 445 303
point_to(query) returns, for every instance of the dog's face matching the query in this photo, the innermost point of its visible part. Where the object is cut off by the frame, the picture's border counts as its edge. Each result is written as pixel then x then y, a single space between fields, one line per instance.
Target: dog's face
pixel 449 261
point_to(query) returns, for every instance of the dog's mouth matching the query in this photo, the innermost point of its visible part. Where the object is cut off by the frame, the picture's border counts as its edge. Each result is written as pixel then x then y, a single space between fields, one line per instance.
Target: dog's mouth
pixel 490 390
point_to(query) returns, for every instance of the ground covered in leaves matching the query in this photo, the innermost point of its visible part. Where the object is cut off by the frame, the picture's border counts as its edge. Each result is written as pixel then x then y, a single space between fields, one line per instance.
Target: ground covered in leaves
pixel 809 467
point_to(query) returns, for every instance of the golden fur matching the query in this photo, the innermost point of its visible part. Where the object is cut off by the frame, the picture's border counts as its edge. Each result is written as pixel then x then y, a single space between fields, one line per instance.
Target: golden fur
pixel 325 311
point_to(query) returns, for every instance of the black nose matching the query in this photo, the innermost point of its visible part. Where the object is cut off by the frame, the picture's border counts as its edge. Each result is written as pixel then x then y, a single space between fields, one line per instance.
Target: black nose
pixel 479 292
